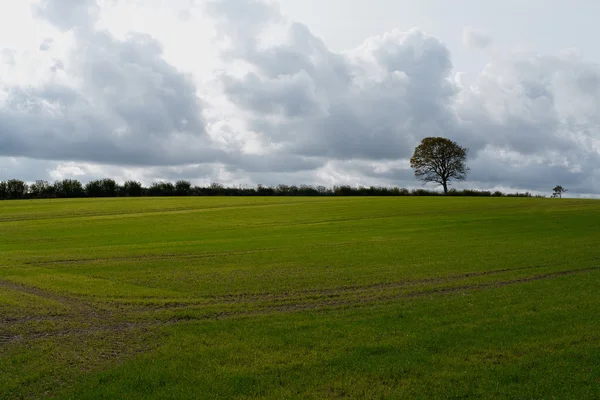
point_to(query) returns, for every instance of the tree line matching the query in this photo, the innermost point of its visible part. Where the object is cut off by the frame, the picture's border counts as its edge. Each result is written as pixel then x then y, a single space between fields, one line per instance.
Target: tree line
pixel 71 188
pixel 436 160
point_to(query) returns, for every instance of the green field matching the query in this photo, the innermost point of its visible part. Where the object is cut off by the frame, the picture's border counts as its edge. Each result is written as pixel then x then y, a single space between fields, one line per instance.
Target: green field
pixel 399 298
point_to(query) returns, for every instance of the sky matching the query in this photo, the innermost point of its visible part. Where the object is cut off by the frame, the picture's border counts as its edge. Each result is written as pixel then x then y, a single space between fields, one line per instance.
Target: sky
pixel 247 92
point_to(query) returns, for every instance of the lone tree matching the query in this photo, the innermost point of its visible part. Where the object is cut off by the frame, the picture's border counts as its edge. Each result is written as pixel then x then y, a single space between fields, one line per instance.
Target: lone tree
pixel 559 191
pixel 439 160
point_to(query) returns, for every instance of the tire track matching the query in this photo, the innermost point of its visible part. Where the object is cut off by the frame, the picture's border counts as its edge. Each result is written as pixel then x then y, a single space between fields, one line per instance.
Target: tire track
pixel 333 292
pixel 117 328
pixel 347 303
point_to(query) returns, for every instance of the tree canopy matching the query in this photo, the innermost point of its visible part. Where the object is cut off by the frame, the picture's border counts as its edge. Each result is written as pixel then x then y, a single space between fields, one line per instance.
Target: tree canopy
pixel 558 191
pixel 439 160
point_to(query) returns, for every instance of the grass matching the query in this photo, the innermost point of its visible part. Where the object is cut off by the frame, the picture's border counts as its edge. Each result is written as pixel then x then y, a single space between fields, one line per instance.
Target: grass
pixel 402 298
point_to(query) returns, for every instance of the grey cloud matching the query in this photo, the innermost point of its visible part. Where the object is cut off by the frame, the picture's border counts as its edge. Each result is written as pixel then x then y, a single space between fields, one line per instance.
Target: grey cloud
pixel 68 14
pixel 242 20
pixel 131 106
pixel 532 176
pixel 131 80
pixel 346 112
pixel 28 170
pixel 303 52
pixel 392 175
pixel 533 105
pixel 292 96
pixel 46 44
pixel 282 163
pixel 245 15
pixel 475 38
pixel 271 178
pixel 58 65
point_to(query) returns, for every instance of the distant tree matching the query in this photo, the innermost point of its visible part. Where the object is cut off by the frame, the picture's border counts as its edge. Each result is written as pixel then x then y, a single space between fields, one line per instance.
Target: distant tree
pixel 110 188
pixel 321 190
pixel 16 189
pixel 559 191
pixel 2 190
pixel 282 190
pixel 183 188
pixel 439 160
pixel 41 190
pixel 343 190
pixel 162 189
pixel 102 188
pixel 217 189
pixel 94 189
pixel 133 188
pixel 68 188
pixel 306 190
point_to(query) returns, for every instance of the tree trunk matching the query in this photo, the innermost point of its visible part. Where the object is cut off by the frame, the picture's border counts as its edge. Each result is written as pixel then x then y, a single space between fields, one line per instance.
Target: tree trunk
pixel 445 184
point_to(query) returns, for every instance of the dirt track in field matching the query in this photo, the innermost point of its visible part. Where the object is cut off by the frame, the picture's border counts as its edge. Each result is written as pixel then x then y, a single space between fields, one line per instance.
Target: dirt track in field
pixel 85 317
